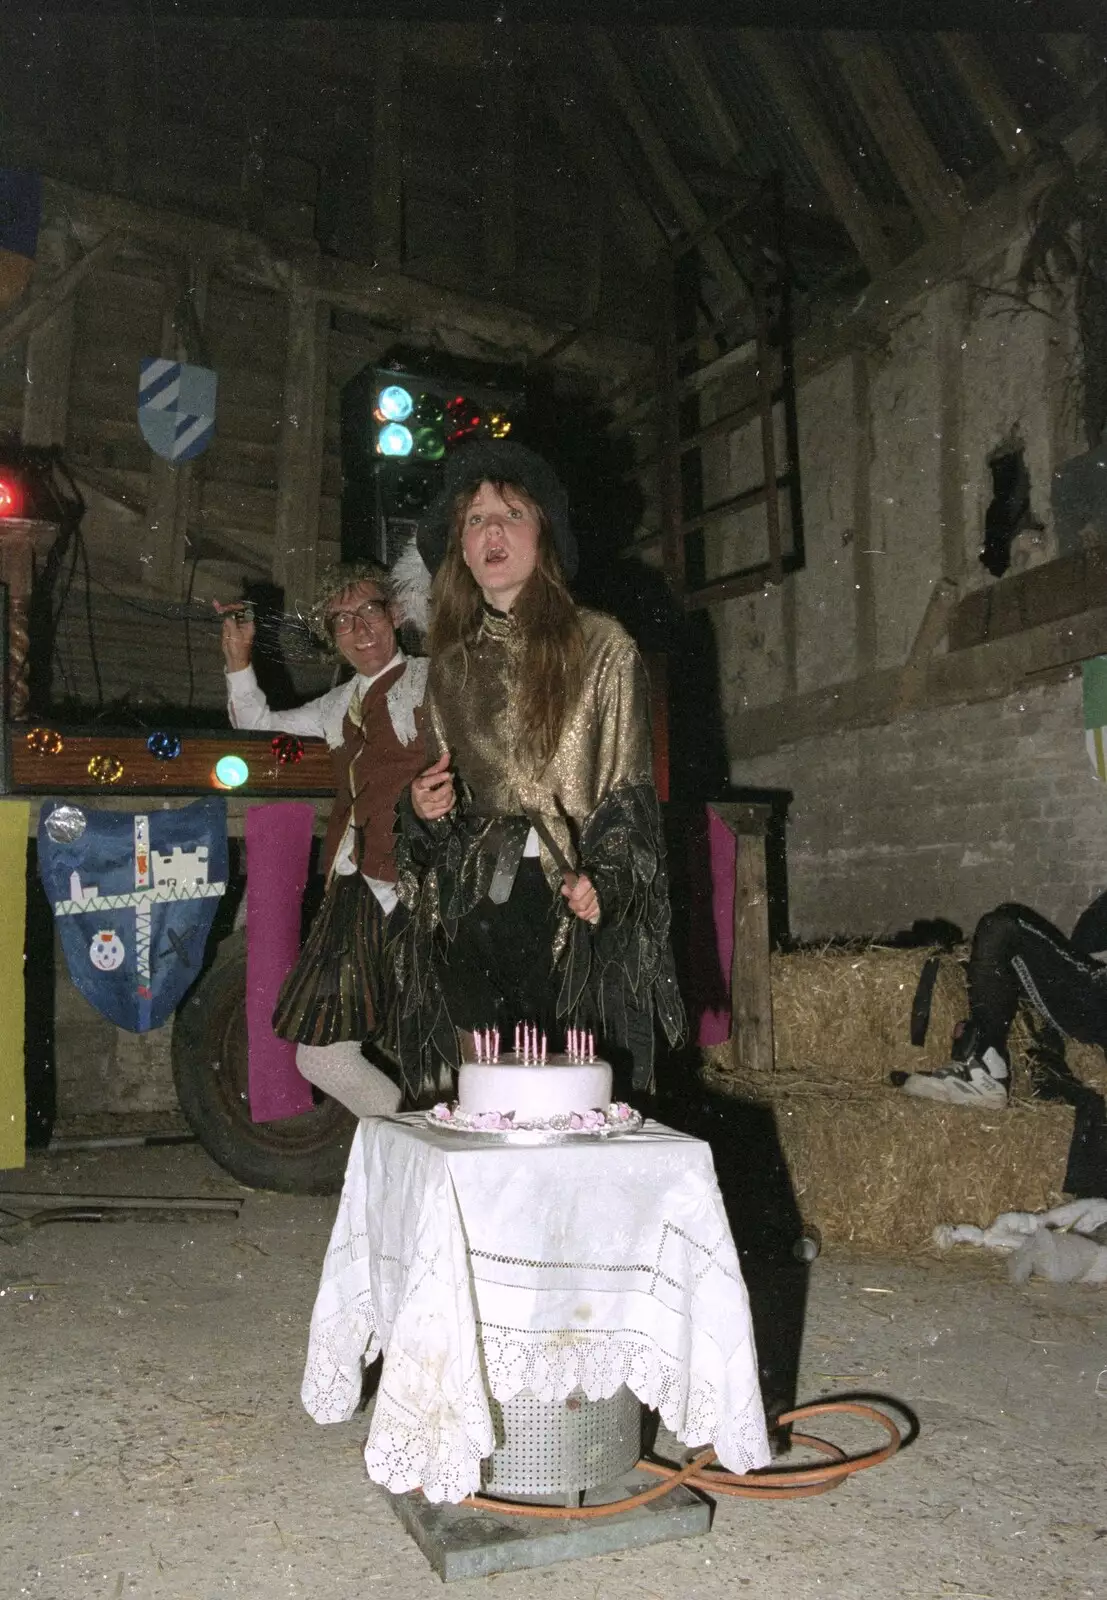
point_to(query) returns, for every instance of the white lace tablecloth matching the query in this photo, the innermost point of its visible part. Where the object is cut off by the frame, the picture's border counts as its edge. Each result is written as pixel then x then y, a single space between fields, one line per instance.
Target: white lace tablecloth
pixel 592 1263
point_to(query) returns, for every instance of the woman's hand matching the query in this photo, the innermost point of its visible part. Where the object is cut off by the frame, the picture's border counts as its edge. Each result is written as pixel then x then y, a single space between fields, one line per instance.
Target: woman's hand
pixel 237 637
pixel 583 900
pixel 432 792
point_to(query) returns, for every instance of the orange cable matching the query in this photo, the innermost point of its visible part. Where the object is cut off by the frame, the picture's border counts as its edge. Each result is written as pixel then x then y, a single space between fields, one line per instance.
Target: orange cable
pixel 768 1483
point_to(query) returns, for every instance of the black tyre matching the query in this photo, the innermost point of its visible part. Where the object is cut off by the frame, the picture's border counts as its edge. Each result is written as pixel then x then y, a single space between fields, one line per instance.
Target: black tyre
pixel 297 1155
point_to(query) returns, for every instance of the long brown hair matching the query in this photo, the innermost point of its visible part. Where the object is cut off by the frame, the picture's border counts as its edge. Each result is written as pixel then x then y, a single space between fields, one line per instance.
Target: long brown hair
pixel 553 644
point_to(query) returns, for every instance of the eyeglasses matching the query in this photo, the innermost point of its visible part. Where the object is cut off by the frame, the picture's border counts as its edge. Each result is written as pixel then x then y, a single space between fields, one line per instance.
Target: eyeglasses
pixel 371 613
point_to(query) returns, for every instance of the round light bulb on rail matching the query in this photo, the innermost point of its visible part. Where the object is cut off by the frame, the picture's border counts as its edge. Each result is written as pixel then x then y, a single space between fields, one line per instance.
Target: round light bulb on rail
pixel 231 772
pixel 395 440
pixel 394 403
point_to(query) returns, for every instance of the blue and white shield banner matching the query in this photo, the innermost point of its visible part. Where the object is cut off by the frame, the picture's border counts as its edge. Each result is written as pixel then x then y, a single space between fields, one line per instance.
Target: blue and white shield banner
pixel 176 407
pixel 134 894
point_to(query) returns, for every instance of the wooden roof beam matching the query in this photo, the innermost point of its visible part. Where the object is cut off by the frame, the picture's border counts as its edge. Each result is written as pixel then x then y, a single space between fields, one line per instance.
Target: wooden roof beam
pixel 618 83
pixel 499 137
pixel 932 191
pixel 594 158
pixel 991 99
pixel 683 53
pixel 776 65
pixel 387 150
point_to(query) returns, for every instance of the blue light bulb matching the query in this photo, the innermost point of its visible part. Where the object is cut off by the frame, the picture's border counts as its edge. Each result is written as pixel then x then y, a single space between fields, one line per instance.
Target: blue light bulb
pixel 394 403
pixel 395 440
pixel 231 772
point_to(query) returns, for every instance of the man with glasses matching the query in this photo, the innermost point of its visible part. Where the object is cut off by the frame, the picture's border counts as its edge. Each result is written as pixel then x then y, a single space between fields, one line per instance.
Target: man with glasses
pixel 338 994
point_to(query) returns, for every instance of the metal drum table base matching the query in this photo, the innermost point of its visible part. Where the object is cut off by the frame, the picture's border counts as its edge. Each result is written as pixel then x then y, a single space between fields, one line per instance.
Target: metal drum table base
pixel 574 1451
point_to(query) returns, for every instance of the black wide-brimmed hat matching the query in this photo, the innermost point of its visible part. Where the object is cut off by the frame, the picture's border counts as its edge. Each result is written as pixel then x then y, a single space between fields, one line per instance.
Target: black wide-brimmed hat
pixel 499 461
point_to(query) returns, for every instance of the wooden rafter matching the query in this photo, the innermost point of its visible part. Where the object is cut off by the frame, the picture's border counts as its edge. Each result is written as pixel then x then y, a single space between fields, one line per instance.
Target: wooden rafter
pixel 594 158
pixel 618 83
pixel 990 97
pixel 498 189
pixel 388 79
pixel 683 53
pixel 932 191
pixel 774 61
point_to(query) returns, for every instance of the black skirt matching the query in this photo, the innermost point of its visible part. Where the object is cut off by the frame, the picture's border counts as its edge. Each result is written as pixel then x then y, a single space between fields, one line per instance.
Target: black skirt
pixel 339 988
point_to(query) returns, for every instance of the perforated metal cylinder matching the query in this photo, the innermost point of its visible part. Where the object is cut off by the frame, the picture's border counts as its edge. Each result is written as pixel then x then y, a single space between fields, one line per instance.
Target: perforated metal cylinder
pixel 573 1445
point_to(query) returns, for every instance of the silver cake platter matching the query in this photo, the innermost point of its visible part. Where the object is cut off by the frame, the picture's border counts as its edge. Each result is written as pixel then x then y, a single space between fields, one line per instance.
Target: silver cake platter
pixel 538 1136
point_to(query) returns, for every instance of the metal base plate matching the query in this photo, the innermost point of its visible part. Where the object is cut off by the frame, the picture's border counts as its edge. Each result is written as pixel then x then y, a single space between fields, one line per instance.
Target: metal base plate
pixel 461 1542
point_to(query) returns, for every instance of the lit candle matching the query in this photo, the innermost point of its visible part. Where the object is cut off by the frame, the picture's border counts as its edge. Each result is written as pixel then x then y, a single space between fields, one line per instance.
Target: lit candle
pixel 543 1048
pixel 591 1046
pixel 516 1038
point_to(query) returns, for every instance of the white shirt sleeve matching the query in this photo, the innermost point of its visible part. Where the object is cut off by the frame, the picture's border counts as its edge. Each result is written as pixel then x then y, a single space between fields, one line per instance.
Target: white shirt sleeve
pixel 248 708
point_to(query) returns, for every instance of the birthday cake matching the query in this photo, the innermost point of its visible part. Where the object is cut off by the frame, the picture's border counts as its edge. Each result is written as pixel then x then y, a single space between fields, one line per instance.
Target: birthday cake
pixel 528 1089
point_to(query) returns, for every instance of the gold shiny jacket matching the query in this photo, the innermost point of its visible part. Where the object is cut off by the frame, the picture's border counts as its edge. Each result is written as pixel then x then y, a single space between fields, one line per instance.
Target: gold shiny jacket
pixel 472 709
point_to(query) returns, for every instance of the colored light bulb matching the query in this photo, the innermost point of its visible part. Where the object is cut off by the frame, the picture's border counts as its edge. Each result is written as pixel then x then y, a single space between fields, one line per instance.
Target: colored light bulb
pixel 231 772
pixel 395 403
pixel 395 440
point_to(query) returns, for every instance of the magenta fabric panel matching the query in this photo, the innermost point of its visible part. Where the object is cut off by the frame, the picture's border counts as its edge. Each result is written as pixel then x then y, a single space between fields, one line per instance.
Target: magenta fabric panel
pixel 278 848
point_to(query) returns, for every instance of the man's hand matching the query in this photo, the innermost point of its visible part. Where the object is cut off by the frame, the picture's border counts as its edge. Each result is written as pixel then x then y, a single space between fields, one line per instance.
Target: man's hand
pixel 432 792
pixel 237 637
pixel 583 900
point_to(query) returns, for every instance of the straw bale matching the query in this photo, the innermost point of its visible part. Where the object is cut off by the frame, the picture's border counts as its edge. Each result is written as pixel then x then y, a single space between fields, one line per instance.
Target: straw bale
pixel 843 1013
pixel 877 1170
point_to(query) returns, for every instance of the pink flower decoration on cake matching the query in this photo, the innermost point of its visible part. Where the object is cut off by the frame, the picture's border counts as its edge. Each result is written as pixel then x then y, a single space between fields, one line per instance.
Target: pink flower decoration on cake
pixel 621 1111
pixel 441 1111
pixel 576 1122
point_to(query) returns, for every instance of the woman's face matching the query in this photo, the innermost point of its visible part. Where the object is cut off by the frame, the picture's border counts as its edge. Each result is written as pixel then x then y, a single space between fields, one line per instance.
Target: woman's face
pixel 499 543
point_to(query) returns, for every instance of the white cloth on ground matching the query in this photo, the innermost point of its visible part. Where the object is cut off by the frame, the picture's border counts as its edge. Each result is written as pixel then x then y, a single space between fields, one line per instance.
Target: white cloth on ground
pixel 589 1263
pixel 1055 1244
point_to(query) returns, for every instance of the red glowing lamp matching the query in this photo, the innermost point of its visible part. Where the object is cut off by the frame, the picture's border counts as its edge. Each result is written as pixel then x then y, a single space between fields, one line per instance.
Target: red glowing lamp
pixel 11 495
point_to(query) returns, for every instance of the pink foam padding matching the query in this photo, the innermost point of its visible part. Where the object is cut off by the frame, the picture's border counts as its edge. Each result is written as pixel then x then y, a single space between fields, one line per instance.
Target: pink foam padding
pixel 714 1021
pixel 278 848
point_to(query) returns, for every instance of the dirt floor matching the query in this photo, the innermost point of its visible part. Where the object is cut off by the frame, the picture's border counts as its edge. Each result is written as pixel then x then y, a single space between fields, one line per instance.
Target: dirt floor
pixel 152 1442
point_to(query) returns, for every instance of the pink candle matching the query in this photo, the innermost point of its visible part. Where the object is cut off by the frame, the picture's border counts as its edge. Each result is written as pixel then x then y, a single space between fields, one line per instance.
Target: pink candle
pixel 516 1038
pixel 591 1046
pixel 543 1047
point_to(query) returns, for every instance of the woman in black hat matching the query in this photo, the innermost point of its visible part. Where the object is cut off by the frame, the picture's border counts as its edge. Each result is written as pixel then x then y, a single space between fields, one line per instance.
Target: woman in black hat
pixel 531 858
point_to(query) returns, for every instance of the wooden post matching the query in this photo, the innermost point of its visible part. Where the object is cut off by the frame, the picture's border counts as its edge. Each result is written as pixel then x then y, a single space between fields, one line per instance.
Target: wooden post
pixel 33 310
pixel 169 502
pixel 300 468
pixel 49 357
pixel 751 995
pixel 20 541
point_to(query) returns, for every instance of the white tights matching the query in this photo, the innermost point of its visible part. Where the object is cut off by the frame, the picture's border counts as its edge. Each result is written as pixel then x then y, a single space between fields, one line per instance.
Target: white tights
pixel 341 1071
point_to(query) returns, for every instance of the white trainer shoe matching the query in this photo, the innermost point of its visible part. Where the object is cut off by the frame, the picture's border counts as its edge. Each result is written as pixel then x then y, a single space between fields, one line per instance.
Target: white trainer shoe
pixel 961 1083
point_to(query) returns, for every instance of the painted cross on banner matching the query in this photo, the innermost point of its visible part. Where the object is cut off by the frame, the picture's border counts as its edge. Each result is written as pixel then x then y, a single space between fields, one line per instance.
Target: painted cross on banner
pixel 176 407
pixel 134 895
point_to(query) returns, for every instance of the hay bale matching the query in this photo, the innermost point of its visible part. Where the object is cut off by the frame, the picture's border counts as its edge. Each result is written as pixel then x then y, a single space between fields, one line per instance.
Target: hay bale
pixel 874 1169
pixel 843 1013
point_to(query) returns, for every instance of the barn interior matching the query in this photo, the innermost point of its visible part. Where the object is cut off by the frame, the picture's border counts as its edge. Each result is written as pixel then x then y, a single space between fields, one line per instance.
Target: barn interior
pixel 808 305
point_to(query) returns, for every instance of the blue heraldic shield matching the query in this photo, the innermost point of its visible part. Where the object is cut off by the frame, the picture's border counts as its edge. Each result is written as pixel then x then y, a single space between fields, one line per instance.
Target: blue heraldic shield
pixel 134 894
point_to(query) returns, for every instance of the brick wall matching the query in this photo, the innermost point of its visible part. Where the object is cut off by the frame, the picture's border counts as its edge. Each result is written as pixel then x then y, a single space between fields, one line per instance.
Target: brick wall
pixel 943 813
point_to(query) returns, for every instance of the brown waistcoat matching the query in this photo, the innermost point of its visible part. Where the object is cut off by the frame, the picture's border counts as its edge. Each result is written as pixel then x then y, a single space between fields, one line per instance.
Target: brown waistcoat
pixel 371 769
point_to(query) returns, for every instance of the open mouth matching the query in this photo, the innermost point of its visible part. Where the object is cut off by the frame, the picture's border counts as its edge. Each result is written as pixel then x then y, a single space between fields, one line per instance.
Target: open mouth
pixel 495 556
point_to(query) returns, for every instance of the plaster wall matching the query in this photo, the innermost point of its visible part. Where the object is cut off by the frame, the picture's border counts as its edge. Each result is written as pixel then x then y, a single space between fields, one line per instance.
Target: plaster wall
pixel 941 812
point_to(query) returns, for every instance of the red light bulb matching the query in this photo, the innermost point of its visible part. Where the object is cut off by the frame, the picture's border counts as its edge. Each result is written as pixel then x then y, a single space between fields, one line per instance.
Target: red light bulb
pixel 11 498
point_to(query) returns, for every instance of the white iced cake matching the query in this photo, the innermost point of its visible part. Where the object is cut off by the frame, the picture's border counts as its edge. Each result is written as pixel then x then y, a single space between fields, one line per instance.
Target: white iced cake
pixel 557 1087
